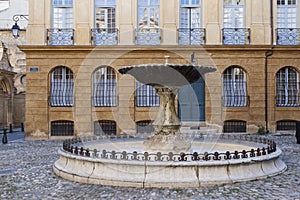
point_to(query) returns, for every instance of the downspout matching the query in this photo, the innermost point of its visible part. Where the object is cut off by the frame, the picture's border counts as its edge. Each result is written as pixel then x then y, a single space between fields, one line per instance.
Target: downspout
pixel 271 22
pixel 268 53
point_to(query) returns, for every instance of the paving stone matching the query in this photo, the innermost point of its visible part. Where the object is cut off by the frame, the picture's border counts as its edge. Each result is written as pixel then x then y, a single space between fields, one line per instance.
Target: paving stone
pixel 32 178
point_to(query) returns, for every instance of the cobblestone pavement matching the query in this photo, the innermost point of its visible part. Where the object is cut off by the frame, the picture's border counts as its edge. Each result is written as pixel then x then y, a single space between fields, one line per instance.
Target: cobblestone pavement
pixel 26 173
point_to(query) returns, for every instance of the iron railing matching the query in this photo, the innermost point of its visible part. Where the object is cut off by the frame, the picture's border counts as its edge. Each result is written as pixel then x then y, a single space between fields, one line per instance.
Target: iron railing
pixel 236 36
pixel 104 36
pixel 60 36
pixel 62 93
pixel 191 36
pixel 62 128
pixel 288 36
pixel 148 36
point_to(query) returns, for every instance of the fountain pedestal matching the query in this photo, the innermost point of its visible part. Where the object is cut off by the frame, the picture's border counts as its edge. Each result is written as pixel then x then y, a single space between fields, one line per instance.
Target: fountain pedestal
pixel 167 137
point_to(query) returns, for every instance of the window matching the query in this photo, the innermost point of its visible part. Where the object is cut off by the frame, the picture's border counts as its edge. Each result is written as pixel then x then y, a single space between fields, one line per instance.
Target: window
pixel 62 32
pixel 234 87
pixel 62 87
pixel 287 23
pixel 287 87
pixel 286 125
pixel 146 96
pixel 148 22
pixel 105 87
pixel 62 128
pixel 144 126
pixel 105 127
pixel 234 32
pixel 190 32
pixel 62 14
pixel 235 126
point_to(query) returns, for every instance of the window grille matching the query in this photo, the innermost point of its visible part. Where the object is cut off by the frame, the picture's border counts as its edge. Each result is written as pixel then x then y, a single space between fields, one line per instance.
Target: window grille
pixel 287 87
pixel 146 96
pixel 286 125
pixel 62 87
pixel 148 32
pixel 105 87
pixel 234 126
pixel 105 127
pixel 144 126
pixel 234 87
pixel 62 128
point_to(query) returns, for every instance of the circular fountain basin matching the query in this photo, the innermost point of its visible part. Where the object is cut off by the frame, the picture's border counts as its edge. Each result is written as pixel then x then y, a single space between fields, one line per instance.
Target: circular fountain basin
pixel 212 160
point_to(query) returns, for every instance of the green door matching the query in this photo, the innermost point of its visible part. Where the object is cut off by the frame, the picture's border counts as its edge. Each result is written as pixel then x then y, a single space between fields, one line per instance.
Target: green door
pixel 191 102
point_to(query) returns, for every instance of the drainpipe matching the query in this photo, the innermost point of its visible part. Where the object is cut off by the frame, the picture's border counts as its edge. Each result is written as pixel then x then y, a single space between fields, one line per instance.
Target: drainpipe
pixel 271 22
pixel 268 53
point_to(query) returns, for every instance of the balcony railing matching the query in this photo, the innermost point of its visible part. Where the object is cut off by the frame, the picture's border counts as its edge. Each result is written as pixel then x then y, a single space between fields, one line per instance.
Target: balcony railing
pixel 191 36
pixel 148 36
pixel 60 36
pixel 104 36
pixel 236 36
pixel 288 36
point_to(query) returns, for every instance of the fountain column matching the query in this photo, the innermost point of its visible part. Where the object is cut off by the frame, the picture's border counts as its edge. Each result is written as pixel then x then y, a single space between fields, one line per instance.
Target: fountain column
pixel 167 121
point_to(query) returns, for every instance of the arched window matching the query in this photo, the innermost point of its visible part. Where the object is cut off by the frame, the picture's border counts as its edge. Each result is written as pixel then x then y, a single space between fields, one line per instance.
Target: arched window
pixel 235 126
pixel 146 96
pixel 62 87
pixel 105 87
pixel 287 87
pixel 234 87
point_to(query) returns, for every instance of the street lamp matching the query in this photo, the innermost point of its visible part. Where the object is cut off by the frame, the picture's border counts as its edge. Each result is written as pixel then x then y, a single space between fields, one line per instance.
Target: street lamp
pixel 16 28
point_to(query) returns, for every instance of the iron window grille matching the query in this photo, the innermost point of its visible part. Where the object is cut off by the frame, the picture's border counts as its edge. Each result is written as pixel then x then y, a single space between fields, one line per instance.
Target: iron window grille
pixel 146 96
pixel 234 87
pixel 286 125
pixel 62 128
pixel 105 87
pixel 62 87
pixel 105 127
pixel 145 126
pixel 287 87
pixel 234 126
pixel 236 36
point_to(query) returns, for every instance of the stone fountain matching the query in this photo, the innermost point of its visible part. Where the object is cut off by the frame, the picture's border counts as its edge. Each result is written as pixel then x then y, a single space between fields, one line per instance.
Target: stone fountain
pixel 168 158
pixel 167 79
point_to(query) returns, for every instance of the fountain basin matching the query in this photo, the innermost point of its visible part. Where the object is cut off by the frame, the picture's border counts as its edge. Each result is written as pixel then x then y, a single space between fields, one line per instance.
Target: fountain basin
pixel 245 159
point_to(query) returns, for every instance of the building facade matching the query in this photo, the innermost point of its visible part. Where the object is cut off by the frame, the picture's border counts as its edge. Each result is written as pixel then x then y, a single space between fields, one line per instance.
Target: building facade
pixel 13 64
pixel 74 50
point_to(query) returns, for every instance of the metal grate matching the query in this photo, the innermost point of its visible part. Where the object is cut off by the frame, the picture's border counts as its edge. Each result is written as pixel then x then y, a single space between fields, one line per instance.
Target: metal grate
pixel 105 127
pixel 236 36
pixel 286 125
pixel 104 36
pixel 62 128
pixel 60 36
pixel 145 126
pixel 288 36
pixel 234 126
pixel 191 36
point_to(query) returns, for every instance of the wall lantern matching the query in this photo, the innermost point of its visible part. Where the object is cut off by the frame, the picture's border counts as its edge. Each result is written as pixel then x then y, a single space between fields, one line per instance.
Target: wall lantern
pixel 16 28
